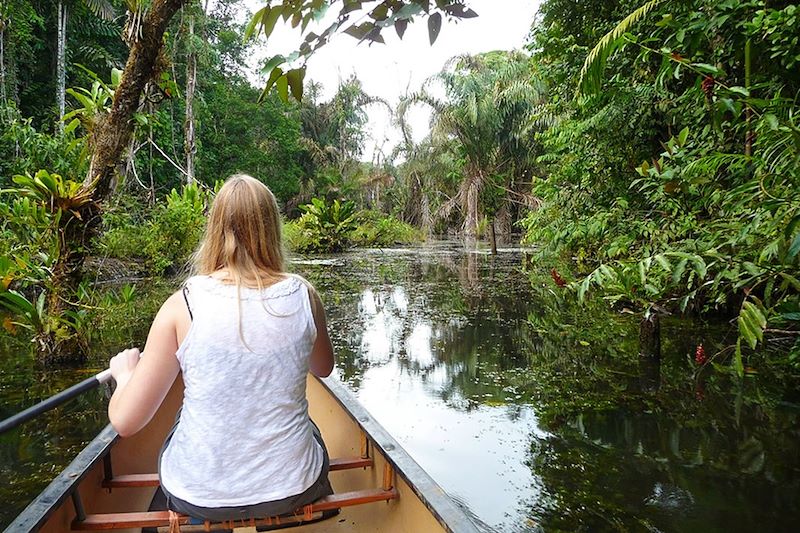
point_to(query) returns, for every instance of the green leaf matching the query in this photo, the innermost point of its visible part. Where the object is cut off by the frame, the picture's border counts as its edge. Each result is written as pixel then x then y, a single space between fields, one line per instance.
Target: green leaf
pixel 677 274
pixel 790 227
pixel 400 26
pixel 409 11
pixel 583 288
pixel 251 26
pixel 791 280
pixel 319 12
pixel 741 91
pixel 295 78
pixel 683 136
pixel 276 73
pixel 705 68
pixel 273 62
pixel 269 19
pixel 282 85
pixel 590 75
pixel 699 266
pixel 360 31
pixel 738 365
pixel 116 77
pixel 794 248
pixel 74 123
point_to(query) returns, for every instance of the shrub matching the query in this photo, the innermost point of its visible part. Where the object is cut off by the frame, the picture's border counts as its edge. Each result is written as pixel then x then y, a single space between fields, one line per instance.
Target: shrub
pixel 375 229
pixel 323 227
pixel 164 241
pixel 333 227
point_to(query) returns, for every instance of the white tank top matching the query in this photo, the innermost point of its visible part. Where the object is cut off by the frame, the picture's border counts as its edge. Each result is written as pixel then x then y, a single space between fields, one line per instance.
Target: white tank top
pixel 244 435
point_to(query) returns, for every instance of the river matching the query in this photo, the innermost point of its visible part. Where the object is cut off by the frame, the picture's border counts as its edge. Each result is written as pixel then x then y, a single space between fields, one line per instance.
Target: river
pixel 532 412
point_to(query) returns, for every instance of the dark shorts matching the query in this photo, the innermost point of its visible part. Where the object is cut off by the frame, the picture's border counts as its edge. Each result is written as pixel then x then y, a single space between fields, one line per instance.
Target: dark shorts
pixel 320 488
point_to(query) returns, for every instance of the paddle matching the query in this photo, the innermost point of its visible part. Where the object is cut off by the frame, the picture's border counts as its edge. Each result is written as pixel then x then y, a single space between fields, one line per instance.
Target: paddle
pixel 54 401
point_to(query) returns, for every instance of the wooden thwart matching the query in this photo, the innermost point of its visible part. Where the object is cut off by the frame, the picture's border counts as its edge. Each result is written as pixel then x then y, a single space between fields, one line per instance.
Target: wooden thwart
pixel 151 480
pixel 94 522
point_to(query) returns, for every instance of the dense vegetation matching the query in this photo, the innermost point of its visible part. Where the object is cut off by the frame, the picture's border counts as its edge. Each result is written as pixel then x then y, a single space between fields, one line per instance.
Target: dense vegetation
pixel 648 150
pixel 671 177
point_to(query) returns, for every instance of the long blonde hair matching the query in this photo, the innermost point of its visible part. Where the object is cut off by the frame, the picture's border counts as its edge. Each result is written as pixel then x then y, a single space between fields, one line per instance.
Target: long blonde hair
pixel 243 234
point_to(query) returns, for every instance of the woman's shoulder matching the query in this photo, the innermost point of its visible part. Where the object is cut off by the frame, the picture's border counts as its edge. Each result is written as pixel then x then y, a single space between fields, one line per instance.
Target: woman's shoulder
pixel 302 282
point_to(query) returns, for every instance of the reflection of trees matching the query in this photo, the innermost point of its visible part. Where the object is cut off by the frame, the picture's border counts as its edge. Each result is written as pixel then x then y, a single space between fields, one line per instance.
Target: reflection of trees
pixel 627 470
pixel 475 334
pixel 32 454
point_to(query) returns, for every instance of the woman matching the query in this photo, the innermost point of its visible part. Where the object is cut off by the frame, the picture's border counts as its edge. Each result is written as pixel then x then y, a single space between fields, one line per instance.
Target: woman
pixel 244 334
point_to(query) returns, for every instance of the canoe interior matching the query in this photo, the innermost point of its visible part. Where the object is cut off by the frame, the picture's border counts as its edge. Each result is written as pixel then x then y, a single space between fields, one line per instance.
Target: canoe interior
pixel 421 506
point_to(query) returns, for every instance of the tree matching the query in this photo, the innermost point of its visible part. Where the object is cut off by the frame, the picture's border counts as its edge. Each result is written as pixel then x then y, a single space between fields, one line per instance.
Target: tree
pixel 333 136
pixel 4 20
pixel 491 109
pixel 101 8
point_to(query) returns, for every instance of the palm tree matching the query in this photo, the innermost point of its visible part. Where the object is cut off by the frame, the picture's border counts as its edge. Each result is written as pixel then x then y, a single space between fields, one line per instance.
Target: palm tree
pixel 493 105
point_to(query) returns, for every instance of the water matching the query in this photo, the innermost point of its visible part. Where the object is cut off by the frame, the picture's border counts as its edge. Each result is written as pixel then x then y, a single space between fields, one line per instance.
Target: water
pixel 531 412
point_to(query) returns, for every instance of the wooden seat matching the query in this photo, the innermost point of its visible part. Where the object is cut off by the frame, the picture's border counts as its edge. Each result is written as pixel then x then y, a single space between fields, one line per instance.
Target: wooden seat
pixel 94 522
pixel 151 480
pixel 318 510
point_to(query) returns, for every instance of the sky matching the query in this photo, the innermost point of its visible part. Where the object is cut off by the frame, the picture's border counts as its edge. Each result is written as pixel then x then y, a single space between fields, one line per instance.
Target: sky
pixel 391 70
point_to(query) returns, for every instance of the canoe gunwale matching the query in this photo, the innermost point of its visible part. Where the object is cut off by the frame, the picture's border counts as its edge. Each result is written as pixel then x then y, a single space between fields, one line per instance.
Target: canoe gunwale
pixel 449 515
pixel 39 510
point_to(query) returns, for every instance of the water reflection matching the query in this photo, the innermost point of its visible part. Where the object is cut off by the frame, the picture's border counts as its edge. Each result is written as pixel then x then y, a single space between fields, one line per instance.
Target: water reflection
pixel 417 340
pixel 533 411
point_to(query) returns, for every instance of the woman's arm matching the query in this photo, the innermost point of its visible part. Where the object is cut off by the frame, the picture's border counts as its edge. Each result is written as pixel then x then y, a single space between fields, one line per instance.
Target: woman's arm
pixel 321 360
pixel 143 383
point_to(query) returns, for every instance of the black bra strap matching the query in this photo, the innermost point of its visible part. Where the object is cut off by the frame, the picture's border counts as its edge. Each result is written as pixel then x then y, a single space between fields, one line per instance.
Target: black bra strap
pixel 186 299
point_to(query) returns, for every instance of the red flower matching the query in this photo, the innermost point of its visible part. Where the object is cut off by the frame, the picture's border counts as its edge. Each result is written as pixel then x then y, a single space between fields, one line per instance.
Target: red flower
pixel 708 86
pixel 561 282
pixel 700 355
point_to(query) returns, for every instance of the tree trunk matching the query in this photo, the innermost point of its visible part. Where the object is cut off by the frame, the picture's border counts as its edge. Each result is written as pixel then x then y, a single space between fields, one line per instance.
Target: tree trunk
pixel 189 147
pixel 3 95
pixel 113 133
pixel 492 238
pixel 650 336
pixel 472 195
pixel 61 64
pixel 503 219
pixel 650 353
pixel 426 216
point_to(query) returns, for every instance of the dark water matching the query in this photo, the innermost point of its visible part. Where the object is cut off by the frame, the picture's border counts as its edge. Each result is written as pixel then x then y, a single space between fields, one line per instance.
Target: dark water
pixel 530 411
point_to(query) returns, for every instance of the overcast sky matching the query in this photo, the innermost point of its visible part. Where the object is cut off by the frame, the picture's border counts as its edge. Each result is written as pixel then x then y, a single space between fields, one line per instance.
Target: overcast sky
pixel 389 71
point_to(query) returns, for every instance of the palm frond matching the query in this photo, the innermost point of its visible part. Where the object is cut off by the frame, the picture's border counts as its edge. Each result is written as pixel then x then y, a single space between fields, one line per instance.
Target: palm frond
pixel 591 74
pixel 101 8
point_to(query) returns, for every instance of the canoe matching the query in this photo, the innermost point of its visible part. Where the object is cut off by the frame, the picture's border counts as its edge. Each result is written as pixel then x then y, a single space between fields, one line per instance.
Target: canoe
pixel 378 486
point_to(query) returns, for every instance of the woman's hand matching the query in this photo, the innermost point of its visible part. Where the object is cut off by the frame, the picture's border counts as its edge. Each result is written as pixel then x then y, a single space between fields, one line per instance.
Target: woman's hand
pixel 123 364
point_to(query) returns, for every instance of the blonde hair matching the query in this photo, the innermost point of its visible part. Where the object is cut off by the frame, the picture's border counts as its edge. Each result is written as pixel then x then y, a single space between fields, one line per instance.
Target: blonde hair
pixel 243 234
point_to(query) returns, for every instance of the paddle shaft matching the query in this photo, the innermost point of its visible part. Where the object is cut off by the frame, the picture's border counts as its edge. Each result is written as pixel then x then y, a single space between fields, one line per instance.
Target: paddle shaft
pixel 54 401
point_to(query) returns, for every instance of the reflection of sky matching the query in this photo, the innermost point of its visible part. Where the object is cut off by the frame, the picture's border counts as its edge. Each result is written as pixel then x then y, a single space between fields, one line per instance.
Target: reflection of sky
pixel 477 455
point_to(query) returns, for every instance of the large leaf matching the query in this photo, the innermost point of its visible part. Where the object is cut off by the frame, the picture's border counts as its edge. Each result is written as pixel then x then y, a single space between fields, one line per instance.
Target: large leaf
pixel 591 74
